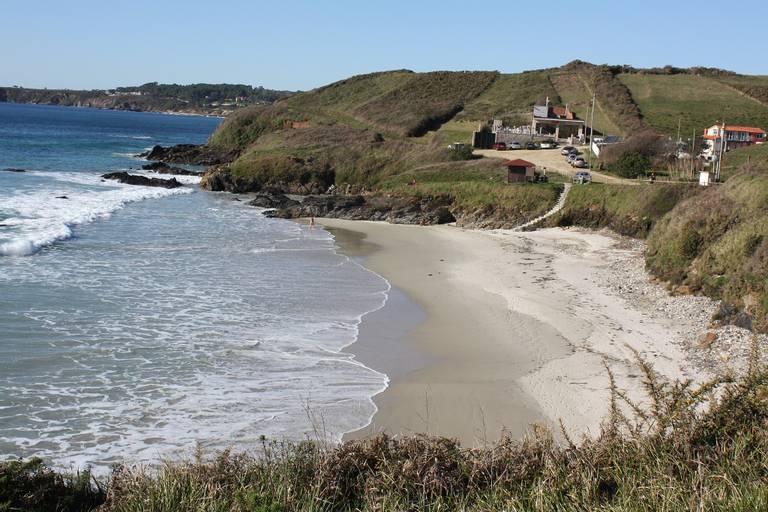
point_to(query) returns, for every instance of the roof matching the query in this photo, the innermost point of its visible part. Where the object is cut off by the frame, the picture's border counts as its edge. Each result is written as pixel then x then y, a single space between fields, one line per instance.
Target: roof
pixel 734 128
pixel 561 112
pixel 519 163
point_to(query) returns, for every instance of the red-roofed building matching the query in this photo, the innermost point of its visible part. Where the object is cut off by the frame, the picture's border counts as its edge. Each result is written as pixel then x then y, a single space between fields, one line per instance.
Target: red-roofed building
pixel 520 171
pixel 735 136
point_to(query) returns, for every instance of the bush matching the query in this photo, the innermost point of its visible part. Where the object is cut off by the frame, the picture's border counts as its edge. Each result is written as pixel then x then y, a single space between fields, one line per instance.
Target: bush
pixel 33 487
pixel 631 165
pixel 460 153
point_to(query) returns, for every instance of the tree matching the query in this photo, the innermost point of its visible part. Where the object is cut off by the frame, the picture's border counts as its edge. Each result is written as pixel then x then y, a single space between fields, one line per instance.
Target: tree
pixel 631 165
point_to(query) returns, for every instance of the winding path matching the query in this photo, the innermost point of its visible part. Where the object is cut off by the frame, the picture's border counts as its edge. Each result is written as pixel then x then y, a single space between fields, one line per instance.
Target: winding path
pixel 556 208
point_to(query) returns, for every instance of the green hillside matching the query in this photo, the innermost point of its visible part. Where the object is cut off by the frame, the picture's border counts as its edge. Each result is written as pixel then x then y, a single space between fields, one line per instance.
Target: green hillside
pixel 696 102
pixel 363 129
pixel 717 242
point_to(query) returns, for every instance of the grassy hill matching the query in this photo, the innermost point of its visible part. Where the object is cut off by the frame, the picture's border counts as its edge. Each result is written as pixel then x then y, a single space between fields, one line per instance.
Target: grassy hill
pixel 696 101
pixel 377 131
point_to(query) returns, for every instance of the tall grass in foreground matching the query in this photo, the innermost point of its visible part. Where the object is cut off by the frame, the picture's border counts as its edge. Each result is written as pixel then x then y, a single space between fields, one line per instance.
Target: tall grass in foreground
pixel 692 448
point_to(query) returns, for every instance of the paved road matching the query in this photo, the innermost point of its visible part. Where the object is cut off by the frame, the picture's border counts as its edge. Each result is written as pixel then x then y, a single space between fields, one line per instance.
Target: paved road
pixel 552 160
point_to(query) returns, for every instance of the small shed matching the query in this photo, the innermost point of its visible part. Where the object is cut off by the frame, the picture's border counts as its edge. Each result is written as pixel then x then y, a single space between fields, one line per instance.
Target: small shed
pixel 520 171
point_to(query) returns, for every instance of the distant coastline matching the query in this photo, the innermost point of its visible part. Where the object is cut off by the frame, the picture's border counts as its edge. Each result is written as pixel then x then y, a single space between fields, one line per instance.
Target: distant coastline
pixel 217 100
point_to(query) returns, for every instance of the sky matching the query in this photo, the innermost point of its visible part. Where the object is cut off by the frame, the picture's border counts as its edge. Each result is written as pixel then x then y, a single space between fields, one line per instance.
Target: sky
pixel 301 44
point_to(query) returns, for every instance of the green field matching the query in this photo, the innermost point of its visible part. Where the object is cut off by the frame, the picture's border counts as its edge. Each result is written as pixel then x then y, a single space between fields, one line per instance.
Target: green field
pixel 696 102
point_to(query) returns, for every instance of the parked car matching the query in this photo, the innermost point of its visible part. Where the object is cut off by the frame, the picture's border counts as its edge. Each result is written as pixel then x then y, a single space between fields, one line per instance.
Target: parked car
pixel 573 154
pixel 514 145
pixel 456 146
pixel 499 146
pixel 531 145
pixel 578 162
pixel 567 149
pixel 582 177
pixel 548 144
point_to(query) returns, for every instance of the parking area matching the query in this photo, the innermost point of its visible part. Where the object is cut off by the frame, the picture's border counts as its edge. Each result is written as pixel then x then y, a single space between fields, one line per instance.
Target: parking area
pixel 552 160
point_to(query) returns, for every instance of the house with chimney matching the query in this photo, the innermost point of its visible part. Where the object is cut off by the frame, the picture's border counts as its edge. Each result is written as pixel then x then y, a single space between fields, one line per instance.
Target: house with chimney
pixel 557 122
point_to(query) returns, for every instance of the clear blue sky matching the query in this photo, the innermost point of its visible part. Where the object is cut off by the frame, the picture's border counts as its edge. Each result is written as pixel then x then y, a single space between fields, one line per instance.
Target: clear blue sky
pixel 301 44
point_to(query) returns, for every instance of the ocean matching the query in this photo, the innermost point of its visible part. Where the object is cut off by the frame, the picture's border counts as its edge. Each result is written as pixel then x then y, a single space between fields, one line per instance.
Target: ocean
pixel 137 323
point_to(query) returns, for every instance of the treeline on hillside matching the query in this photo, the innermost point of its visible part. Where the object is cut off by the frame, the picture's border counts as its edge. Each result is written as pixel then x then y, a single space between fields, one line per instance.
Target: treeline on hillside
pixel 664 70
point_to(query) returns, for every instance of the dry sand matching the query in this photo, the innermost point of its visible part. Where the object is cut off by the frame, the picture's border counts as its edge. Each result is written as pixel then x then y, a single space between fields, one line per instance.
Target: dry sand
pixel 506 329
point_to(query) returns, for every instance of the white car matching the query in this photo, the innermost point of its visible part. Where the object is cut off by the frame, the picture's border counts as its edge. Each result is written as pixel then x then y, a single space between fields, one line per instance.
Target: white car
pixel 582 177
pixel 514 145
pixel 548 145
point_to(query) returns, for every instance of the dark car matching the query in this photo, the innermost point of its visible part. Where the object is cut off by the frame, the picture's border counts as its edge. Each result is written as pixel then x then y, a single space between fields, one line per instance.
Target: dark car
pixel 566 150
pixel 531 145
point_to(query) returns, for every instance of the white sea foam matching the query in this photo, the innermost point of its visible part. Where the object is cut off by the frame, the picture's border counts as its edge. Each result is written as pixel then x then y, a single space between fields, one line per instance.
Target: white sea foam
pixel 41 217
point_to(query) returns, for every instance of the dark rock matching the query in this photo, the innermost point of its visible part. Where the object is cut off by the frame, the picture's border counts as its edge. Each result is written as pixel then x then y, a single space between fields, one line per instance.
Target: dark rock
pixel 12 169
pixel 62 197
pixel 733 315
pixel 132 179
pixel 273 200
pixel 189 154
pixel 398 210
pixel 164 168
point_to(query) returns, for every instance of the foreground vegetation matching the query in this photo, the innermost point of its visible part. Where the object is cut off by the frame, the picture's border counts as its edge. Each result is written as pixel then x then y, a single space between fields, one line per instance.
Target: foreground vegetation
pixel 691 448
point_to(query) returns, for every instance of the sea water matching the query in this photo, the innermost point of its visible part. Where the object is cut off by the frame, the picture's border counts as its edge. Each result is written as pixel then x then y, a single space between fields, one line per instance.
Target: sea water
pixel 137 322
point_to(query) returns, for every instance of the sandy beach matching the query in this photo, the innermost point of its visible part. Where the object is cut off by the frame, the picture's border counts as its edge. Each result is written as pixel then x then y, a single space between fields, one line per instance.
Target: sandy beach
pixel 507 329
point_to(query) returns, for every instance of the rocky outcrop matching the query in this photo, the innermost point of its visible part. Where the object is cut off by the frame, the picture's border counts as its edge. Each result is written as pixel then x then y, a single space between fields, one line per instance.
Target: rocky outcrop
pixel 164 168
pixel 220 179
pixel 189 154
pixel 133 179
pixel 13 169
pixel 270 199
pixel 397 210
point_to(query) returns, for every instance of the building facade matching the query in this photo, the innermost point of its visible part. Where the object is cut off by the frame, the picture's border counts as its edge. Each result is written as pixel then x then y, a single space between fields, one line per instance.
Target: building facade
pixel 735 136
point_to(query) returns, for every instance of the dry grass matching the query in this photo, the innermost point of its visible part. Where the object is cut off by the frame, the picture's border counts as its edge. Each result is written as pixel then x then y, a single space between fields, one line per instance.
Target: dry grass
pixel 692 448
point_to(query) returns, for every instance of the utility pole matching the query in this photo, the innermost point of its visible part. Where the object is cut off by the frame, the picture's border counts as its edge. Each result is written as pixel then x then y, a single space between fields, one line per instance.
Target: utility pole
pixel 591 130
pixel 722 152
pixel 693 152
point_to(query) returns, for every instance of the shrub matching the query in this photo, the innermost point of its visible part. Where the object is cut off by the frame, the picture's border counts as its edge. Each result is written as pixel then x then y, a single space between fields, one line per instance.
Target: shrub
pixel 460 153
pixel 33 487
pixel 690 241
pixel 631 165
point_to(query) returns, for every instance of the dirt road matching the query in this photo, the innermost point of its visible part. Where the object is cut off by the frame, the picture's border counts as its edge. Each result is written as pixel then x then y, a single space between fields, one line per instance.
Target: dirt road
pixel 552 160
